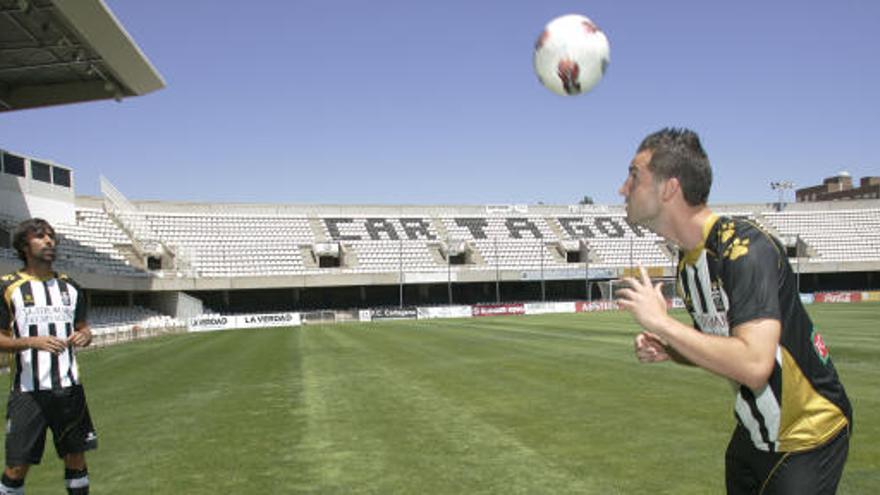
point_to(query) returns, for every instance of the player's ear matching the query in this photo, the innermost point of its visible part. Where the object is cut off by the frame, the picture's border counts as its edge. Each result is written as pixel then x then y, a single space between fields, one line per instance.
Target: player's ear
pixel 670 187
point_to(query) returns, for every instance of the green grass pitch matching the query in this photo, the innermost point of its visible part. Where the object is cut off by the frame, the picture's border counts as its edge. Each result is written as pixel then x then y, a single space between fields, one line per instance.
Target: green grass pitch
pixel 551 404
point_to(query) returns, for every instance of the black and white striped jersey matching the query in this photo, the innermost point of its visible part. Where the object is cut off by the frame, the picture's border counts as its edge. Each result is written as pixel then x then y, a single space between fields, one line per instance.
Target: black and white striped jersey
pixel 35 307
pixel 738 274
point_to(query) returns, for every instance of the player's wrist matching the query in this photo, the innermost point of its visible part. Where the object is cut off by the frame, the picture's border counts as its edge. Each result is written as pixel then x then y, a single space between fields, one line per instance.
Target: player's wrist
pixel 664 327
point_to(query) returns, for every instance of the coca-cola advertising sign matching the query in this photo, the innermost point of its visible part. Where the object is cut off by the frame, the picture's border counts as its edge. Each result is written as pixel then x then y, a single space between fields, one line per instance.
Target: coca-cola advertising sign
pixel 838 297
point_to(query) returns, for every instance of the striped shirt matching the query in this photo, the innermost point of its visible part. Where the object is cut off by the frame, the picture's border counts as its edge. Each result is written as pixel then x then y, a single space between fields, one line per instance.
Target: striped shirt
pixel 35 307
pixel 739 274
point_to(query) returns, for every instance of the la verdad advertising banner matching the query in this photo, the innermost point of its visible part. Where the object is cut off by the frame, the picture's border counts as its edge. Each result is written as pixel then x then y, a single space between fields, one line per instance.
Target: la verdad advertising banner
pixel 207 323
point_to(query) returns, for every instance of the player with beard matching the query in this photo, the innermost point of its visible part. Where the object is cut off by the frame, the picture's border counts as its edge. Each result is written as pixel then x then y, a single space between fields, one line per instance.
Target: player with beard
pixel 43 319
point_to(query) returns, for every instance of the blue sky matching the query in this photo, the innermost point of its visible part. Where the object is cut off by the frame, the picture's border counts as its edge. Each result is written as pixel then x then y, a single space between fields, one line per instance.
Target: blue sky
pixel 417 102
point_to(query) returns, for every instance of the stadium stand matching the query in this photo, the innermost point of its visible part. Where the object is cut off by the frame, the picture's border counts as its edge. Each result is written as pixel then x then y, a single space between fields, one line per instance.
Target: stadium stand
pixel 615 242
pixel 93 246
pixel 237 244
pixel 374 244
pixel 169 255
pixel 834 235
pixel 506 242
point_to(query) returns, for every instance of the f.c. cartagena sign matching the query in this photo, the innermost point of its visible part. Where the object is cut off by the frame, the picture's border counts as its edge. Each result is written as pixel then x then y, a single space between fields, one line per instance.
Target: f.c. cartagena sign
pixel 395 314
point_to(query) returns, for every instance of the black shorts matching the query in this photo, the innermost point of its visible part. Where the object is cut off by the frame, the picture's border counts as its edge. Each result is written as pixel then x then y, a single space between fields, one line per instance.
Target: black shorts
pixel 28 414
pixel 753 471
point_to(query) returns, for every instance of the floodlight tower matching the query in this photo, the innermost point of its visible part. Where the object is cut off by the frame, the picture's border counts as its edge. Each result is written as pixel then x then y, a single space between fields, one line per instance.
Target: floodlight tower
pixel 781 187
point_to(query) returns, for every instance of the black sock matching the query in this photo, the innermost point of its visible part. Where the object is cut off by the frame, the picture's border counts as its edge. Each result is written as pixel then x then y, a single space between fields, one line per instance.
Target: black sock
pixel 77 481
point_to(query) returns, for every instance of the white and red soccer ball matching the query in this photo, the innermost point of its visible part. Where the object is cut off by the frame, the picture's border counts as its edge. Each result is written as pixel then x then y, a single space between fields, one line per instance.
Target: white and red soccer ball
pixel 571 55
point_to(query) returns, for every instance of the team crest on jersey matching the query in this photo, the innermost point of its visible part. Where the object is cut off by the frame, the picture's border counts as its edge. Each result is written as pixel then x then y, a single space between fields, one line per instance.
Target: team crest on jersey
pixel 65 298
pixel 727 231
pixel 819 346
pixel 28 299
pixel 737 248
pixel 717 298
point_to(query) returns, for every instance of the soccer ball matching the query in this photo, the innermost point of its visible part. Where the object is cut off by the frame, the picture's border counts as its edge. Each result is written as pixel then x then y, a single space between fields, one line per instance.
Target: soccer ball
pixel 571 55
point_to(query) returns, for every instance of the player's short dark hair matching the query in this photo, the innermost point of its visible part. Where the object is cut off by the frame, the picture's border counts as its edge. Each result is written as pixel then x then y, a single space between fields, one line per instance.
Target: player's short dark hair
pixel 678 153
pixel 33 226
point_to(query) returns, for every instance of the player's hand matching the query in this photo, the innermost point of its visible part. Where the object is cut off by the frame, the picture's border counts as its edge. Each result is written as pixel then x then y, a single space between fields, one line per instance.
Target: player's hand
pixel 47 343
pixel 643 300
pixel 80 338
pixel 650 348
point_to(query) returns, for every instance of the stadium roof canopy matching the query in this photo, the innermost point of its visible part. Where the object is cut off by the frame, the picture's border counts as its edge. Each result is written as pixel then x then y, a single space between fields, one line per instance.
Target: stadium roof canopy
pixel 54 52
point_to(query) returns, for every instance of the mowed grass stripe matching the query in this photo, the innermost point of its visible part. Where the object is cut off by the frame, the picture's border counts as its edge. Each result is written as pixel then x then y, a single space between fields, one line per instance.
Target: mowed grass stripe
pixel 192 414
pixel 404 434
pixel 545 404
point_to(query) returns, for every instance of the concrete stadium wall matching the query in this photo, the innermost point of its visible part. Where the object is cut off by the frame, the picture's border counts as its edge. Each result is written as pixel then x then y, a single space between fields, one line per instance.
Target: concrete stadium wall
pixel 22 198
pixel 177 304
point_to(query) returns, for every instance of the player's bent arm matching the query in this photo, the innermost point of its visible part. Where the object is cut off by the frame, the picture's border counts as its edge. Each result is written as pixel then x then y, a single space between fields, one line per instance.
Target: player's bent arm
pixel 44 343
pixel 747 356
pixel 7 343
pixel 677 358
pixel 650 348
pixel 82 336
